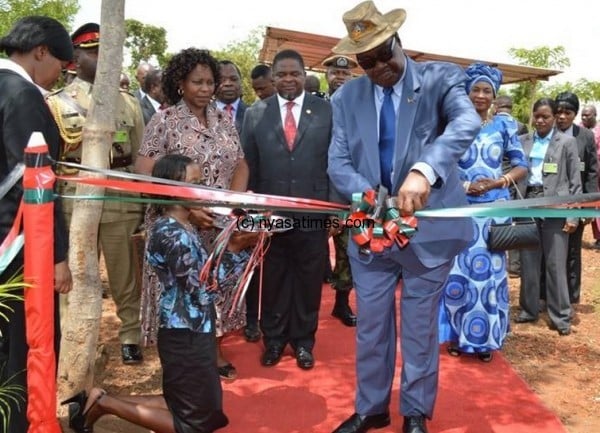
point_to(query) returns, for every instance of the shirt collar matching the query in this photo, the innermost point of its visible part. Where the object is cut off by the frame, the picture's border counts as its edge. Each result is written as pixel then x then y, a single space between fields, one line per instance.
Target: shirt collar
pixel 18 69
pixel 545 139
pixel 221 105
pixel 569 131
pixel 298 101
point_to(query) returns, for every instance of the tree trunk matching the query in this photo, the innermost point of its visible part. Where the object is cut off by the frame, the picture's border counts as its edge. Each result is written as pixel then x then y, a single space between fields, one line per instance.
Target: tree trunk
pixel 82 322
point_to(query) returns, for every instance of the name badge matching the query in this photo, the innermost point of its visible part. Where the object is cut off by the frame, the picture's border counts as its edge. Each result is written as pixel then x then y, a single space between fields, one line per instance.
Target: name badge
pixel 550 168
pixel 120 137
pixel 581 166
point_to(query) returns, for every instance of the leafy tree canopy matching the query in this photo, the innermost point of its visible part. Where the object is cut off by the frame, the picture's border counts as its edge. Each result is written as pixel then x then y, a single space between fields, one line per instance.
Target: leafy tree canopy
pixel 12 10
pixel 145 42
pixel 245 55
pixel 525 94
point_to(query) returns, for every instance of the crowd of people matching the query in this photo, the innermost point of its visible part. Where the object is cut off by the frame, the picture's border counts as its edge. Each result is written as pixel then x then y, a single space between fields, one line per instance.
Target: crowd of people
pixel 428 134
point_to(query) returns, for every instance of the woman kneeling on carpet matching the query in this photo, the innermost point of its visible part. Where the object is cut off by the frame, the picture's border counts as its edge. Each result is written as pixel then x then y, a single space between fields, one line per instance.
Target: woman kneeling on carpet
pixel 192 398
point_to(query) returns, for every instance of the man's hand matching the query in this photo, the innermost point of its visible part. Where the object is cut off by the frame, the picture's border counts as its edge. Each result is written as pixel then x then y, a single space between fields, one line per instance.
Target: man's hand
pixel 63 281
pixel 413 194
pixel 569 227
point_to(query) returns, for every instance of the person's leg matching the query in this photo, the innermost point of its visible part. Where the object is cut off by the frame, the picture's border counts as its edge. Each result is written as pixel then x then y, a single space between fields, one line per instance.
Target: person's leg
pixel 125 290
pixel 150 412
pixel 342 280
pixel 376 279
pixel 419 311
pixel 574 264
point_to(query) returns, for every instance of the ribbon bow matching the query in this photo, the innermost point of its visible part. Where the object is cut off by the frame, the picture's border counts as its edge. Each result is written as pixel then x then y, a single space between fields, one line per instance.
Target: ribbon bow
pixel 375 222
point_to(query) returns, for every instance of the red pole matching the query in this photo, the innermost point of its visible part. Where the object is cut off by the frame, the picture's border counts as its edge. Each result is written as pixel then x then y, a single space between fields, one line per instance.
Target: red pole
pixel 38 221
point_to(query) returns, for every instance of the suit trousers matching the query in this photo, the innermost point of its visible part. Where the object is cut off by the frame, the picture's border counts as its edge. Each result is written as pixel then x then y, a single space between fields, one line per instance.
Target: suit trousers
pixel 376 279
pixel 574 264
pixel 114 238
pixel 554 252
pixel 292 283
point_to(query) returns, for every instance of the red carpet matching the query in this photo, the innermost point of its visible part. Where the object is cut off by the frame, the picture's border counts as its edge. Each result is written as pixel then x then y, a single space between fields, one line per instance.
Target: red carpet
pixel 473 397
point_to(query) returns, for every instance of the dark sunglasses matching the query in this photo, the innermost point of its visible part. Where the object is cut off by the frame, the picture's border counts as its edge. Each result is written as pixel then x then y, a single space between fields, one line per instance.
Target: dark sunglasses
pixel 384 54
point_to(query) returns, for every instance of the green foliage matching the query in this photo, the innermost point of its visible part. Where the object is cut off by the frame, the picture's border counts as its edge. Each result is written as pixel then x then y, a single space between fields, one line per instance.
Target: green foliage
pixel 12 10
pixel 7 293
pixel 144 43
pixel 525 94
pixel 245 55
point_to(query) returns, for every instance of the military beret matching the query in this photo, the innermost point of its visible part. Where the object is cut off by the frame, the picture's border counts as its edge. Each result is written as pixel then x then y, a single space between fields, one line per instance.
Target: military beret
pixel 339 61
pixel 86 36
pixel 32 31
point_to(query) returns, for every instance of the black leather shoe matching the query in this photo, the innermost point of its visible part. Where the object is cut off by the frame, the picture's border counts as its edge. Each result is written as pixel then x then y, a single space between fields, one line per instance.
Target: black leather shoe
pixel 563 332
pixel 304 358
pixel 271 356
pixel 360 424
pixel 345 315
pixel 414 424
pixel 131 354
pixel 525 319
pixel 252 333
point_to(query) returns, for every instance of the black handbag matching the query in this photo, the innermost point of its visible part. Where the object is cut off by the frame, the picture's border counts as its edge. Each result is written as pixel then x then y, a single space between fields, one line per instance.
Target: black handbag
pixel 516 235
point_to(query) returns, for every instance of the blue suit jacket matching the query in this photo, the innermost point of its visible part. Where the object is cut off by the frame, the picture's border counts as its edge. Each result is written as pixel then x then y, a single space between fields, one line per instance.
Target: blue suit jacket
pixel 436 124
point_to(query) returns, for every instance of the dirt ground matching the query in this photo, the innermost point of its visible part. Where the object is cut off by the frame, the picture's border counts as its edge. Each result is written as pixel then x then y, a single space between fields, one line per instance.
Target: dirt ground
pixel 563 371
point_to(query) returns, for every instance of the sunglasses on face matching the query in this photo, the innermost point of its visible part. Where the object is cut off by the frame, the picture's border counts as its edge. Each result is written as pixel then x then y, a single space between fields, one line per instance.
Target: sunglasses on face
pixel 383 55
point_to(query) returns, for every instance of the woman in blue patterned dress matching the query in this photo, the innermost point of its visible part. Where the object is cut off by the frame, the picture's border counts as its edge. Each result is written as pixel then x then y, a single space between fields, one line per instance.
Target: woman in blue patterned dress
pixel 474 316
pixel 192 398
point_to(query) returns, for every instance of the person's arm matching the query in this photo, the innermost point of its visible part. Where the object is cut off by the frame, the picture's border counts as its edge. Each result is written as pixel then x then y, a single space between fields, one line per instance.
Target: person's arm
pixel 574 176
pixel 591 163
pixel 241 173
pixel 250 150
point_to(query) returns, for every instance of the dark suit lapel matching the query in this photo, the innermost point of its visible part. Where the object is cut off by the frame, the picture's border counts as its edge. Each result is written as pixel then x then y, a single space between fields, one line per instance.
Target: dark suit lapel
pixel 272 112
pixel 306 116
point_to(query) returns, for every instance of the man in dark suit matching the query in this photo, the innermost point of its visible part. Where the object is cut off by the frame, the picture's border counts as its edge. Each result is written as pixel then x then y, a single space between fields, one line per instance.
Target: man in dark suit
pixel 403 125
pixel 140 75
pixel 154 97
pixel 567 108
pixel 37 48
pixel 229 93
pixel 285 140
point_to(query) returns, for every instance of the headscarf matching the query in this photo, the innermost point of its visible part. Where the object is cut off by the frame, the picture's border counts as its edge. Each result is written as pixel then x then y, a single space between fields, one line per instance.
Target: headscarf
pixel 477 72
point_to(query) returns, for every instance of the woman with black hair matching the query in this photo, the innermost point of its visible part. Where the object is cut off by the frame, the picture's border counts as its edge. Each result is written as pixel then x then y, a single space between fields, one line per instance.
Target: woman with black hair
pixel 37 48
pixel 192 399
pixel 194 127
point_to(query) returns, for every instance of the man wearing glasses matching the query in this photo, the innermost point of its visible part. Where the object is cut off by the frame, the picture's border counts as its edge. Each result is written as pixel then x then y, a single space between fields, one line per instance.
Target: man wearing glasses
pixel 403 126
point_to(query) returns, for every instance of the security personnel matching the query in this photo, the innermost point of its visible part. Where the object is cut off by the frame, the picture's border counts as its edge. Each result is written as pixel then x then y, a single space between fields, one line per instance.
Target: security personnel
pixel 119 220
pixel 339 71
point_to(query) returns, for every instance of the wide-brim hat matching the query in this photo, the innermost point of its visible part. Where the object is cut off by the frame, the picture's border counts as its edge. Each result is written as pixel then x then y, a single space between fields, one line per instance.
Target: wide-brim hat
pixel 368 28
pixel 340 61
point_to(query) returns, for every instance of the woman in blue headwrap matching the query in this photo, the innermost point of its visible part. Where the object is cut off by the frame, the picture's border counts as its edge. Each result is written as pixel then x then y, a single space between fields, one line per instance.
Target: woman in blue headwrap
pixel 474 316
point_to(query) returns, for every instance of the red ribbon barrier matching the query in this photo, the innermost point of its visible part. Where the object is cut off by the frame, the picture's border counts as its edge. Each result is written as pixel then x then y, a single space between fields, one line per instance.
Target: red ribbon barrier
pixel 38 218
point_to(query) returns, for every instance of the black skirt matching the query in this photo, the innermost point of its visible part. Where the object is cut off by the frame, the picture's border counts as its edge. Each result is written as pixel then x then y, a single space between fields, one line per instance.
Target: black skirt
pixel 191 383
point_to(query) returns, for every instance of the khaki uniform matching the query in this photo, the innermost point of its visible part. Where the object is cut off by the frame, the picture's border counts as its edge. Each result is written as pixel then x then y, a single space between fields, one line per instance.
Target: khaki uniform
pixel 119 220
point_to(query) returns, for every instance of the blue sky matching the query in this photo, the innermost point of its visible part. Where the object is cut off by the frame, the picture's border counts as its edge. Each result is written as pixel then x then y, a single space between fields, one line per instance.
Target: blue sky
pixel 481 30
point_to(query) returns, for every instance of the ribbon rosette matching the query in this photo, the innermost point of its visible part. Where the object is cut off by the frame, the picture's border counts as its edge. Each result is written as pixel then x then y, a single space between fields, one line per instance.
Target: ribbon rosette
pixel 375 222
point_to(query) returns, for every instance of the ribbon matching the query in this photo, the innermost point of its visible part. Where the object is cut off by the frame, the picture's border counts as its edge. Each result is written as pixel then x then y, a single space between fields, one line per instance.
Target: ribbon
pixel 376 224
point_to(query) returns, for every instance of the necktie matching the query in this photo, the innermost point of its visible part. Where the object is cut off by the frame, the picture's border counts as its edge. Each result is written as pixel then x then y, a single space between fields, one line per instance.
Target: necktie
pixel 229 110
pixel 387 138
pixel 289 126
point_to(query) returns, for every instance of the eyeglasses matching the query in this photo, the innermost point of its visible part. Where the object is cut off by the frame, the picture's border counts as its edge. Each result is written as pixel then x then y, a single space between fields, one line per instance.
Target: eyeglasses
pixel 383 55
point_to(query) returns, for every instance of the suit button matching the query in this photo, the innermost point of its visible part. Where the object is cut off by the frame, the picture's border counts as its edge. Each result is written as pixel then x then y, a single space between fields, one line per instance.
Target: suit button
pixel 293 180
pixel 292 158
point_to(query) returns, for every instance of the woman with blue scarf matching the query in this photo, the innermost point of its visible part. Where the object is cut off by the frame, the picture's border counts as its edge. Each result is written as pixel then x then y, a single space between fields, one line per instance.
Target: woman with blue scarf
pixel 474 315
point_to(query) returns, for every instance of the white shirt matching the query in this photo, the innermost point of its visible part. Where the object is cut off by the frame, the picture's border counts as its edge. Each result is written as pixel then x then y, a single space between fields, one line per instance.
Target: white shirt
pixel 234 105
pixel 296 109
pixel 421 167
pixel 15 67
pixel 154 102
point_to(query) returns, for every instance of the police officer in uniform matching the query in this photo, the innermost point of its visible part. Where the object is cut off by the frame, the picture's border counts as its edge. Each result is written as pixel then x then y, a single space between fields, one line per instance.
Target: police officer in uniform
pixel 338 72
pixel 119 220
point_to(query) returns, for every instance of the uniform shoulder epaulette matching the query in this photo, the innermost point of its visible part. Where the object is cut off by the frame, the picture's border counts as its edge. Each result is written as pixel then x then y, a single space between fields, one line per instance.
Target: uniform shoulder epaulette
pixel 127 92
pixel 55 92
